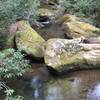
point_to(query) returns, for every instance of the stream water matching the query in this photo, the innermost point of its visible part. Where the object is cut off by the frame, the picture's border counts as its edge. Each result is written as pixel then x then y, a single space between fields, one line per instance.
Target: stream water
pixel 79 85
pixel 82 85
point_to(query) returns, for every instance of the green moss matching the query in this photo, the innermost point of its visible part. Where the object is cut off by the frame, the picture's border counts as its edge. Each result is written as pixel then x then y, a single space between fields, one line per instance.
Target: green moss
pixel 97 32
pixel 45 12
pixel 29 40
pixel 76 59
pixel 77 29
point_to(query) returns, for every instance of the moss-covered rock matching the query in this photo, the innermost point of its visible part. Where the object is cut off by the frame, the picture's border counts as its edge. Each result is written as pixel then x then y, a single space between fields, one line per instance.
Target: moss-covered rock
pixel 45 12
pixel 74 27
pixel 63 54
pixel 29 40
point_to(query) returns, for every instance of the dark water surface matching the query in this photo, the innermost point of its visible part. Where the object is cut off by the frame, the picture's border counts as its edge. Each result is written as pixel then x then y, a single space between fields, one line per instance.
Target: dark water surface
pixel 80 85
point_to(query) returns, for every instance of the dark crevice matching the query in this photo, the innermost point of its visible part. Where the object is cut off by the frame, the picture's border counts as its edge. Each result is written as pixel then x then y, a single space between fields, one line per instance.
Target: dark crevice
pixel 43 19
pixel 53 72
pixel 14 44
pixel 34 59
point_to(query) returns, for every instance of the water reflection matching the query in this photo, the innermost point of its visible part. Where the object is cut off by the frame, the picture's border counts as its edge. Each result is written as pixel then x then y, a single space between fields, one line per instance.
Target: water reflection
pixel 83 85
pixel 62 89
pixel 75 88
pixel 54 93
pixel 37 86
pixel 95 93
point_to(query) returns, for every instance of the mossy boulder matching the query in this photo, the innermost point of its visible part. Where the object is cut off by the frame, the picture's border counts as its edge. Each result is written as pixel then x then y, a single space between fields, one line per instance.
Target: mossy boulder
pixel 28 40
pixel 63 54
pixel 45 12
pixel 74 27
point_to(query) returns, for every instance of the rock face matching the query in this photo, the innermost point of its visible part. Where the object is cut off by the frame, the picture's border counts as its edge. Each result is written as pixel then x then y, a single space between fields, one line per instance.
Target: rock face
pixel 74 28
pixel 64 55
pixel 28 40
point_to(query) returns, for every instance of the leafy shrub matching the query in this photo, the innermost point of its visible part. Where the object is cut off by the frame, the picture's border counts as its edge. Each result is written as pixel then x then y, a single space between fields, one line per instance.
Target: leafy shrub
pixel 2 41
pixel 12 64
pixel 9 92
pixel 86 7
pixel 10 10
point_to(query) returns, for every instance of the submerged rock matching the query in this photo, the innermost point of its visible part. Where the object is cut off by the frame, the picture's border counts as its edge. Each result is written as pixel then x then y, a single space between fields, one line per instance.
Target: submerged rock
pixel 65 55
pixel 74 27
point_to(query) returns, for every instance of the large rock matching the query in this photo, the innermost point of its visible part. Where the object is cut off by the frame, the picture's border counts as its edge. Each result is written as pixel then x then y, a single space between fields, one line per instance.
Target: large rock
pixel 52 9
pixel 64 55
pixel 74 27
pixel 29 40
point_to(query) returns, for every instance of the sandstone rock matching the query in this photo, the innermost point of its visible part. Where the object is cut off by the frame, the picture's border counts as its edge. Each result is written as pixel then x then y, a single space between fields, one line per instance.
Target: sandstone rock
pixel 63 54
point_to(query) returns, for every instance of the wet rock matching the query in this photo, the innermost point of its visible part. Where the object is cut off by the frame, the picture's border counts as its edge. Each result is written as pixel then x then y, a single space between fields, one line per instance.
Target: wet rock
pixel 28 40
pixel 73 27
pixel 44 20
pixel 66 55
